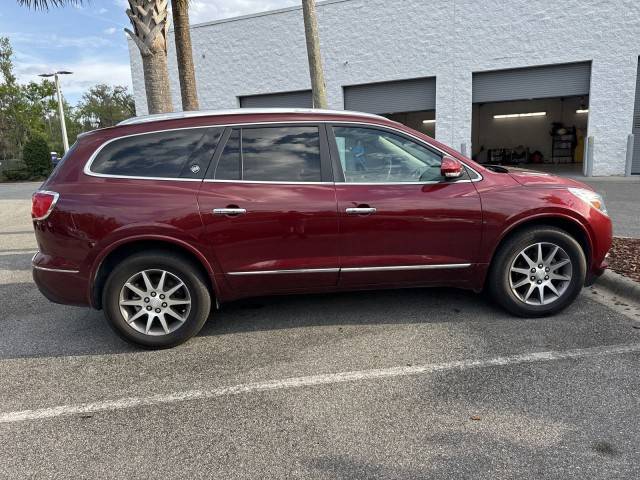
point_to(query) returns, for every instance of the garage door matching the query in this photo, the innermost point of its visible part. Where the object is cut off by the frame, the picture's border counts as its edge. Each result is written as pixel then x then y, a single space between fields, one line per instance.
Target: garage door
pixel 565 80
pixel 635 165
pixel 392 97
pixel 299 99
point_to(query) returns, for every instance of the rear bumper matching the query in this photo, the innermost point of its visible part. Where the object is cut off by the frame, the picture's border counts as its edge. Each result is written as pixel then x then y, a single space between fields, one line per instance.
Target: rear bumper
pixel 59 285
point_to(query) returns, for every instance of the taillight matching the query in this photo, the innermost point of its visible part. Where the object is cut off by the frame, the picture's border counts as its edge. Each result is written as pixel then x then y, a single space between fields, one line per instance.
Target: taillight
pixel 42 203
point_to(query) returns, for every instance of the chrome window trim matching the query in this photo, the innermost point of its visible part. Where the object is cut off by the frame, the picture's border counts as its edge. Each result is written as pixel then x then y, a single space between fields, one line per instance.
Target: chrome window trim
pixel 55 195
pixel 421 142
pixel 87 166
pixel 271 182
pixel 356 269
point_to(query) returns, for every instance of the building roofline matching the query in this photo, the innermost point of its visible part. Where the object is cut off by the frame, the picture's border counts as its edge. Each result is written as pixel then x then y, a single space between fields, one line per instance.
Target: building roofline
pixel 251 15
pixel 263 14
pixel 242 111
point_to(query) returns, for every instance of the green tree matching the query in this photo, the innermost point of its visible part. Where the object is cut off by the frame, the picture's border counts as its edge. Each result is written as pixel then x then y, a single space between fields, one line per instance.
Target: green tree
pixel 23 108
pixel 104 106
pixel 36 155
pixel 29 111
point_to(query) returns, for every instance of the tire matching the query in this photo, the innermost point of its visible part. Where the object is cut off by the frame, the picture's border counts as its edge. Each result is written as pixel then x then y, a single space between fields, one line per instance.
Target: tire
pixel 509 285
pixel 184 309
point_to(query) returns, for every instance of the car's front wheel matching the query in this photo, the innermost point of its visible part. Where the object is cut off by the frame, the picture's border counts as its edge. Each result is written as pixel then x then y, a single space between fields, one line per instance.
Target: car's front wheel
pixel 537 272
pixel 156 299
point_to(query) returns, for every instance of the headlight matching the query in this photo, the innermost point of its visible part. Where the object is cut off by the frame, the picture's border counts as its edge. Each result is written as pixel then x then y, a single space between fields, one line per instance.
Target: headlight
pixel 592 198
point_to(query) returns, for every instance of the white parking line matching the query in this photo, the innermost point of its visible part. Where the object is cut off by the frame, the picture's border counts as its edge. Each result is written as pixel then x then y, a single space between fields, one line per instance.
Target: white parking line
pixel 297 382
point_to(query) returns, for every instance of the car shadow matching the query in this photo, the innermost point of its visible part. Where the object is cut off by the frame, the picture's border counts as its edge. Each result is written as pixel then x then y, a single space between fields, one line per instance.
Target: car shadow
pixel 31 326
pixel 400 306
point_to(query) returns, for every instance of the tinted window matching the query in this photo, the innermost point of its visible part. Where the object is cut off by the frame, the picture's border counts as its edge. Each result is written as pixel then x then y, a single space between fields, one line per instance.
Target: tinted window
pixel 377 156
pixel 229 163
pixel 286 154
pixel 172 154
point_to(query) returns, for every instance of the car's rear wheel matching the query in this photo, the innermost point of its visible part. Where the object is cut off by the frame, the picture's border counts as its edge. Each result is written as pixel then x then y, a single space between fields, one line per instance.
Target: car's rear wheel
pixel 156 299
pixel 537 272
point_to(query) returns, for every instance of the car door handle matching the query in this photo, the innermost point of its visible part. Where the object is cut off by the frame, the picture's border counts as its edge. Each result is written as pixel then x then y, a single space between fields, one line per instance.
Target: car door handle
pixel 360 211
pixel 229 211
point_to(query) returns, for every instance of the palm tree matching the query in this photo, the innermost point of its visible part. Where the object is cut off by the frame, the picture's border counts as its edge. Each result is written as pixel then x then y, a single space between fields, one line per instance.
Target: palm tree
pixel 313 53
pixel 44 4
pixel 150 24
pixel 184 54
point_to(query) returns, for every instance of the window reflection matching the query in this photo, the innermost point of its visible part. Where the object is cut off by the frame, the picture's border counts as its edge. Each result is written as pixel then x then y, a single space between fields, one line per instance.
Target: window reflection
pixel 168 154
pixel 281 154
pixel 229 163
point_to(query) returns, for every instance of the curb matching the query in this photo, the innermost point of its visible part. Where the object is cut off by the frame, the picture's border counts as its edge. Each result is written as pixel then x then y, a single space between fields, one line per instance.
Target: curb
pixel 620 285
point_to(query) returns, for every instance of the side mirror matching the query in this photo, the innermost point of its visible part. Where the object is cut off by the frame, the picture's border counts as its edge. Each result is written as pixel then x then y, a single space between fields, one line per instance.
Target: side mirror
pixel 451 167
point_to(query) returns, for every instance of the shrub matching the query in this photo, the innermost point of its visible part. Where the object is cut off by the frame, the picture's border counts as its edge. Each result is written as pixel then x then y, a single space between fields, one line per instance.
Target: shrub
pixel 16 174
pixel 36 156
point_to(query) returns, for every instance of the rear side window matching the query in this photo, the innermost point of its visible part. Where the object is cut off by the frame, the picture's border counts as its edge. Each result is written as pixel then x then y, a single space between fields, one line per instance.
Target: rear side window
pixel 272 154
pixel 172 154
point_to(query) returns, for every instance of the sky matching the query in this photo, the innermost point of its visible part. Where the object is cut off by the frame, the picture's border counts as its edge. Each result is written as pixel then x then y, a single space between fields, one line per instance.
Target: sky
pixel 90 41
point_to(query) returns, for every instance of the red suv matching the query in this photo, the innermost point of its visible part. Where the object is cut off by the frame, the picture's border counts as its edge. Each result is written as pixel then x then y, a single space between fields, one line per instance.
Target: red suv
pixel 157 219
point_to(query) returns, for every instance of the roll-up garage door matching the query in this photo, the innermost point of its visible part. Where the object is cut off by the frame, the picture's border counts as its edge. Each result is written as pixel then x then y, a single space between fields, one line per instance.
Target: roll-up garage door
pixel 299 99
pixel 635 165
pixel 392 97
pixel 565 80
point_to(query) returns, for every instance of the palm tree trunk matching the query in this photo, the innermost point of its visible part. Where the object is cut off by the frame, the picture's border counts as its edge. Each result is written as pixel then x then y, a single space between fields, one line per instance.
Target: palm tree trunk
pixel 150 24
pixel 156 83
pixel 313 52
pixel 184 53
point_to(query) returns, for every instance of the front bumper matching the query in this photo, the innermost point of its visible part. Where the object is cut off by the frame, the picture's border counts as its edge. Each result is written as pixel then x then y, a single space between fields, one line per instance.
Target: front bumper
pixel 595 272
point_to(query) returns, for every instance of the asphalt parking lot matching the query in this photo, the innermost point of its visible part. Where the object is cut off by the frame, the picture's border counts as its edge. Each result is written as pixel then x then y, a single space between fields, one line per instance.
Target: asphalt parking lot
pixel 399 384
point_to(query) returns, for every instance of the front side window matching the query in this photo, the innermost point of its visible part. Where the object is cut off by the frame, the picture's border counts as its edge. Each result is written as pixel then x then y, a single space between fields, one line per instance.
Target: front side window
pixel 171 154
pixel 271 154
pixel 369 155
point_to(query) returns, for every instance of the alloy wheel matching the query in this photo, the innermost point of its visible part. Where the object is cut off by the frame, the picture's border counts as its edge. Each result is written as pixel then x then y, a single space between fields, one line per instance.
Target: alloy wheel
pixel 155 302
pixel 540 274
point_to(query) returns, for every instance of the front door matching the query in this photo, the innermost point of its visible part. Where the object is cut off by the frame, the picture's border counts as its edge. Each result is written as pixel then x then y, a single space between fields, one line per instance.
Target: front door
pixel 269 209
pixel 401 222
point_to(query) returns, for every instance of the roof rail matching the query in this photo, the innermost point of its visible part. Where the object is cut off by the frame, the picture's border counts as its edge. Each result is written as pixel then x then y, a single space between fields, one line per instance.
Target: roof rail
pixel 237 111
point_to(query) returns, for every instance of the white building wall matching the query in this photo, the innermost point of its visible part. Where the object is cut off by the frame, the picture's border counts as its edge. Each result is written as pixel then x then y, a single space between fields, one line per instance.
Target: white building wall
pixel 365 41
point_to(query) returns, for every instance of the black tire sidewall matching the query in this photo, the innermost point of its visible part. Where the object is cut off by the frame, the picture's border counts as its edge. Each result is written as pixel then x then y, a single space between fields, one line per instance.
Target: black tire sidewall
pixel 499 276
pixel 185 270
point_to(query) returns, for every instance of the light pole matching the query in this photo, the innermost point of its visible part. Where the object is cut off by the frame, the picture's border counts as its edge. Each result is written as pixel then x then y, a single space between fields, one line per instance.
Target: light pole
pixel 63 125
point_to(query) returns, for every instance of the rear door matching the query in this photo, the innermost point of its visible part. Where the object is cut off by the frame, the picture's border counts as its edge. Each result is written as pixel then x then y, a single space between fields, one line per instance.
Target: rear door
pixel 400 220
pixel 269 209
